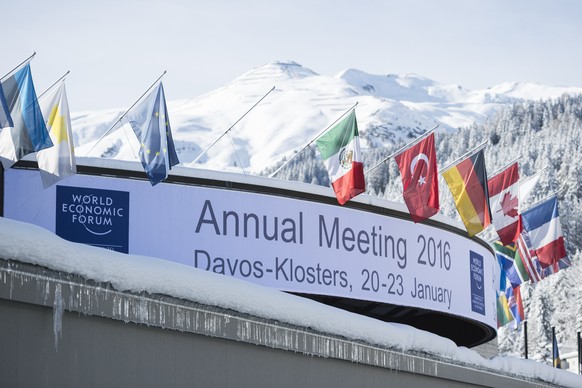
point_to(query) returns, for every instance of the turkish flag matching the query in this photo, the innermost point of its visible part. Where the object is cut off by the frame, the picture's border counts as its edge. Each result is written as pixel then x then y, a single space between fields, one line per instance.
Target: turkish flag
pixel 418 169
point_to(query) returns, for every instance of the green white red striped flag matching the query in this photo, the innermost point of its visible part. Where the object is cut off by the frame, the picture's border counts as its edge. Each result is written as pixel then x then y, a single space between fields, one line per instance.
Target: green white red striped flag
pixel 340 149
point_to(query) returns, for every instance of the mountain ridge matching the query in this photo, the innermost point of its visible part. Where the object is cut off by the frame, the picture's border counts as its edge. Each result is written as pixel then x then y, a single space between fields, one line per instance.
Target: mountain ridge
pixel 391 109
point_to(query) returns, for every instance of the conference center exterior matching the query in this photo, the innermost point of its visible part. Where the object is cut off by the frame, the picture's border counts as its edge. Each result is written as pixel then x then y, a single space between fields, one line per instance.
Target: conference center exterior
pixel 63 327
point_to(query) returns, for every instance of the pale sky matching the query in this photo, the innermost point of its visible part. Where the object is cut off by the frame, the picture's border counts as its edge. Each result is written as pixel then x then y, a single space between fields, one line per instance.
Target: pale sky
pixel 115 49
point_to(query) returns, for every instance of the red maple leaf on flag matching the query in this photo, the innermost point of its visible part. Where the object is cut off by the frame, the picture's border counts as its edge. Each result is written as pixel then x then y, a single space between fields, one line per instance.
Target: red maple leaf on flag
pixel 509 205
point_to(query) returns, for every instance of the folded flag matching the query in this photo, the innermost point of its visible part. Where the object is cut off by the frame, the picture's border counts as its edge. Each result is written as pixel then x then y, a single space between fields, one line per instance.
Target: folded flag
pixel 526 255
pixel 503 198
pixel 526 186
pixel 515 304
pixel 542 223
pixel 340 150
pixel 554 268
pixel 467 181
pixel 418 168
pixel 24 132
pixel 514 268
pixel 58 162
pixel 5 119
pixel 151 124
pixel 504 315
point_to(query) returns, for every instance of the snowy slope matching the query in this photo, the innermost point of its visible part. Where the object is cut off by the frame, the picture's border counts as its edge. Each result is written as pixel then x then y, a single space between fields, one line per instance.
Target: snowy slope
pixel 391 109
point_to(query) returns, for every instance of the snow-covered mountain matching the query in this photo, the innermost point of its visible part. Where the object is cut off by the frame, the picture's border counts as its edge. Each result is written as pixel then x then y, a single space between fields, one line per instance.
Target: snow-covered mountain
pixel 539 125
pixel 391 109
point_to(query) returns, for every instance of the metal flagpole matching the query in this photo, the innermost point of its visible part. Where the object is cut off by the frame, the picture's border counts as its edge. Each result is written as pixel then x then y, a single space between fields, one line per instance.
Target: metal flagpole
pixel 123 115
pixel 20 64
pixel 525 335
pixel 537 173
pixel 47 89
pixel 503 168
pixel 472 151
pixel 402 149
pixel 555 193
pixel 579 355
pixel 554 347
pixel 314 139
pixel 232 126
pixel 53 85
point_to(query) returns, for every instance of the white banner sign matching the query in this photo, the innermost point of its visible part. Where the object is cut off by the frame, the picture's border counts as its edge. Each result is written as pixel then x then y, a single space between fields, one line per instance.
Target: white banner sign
pixel 284 243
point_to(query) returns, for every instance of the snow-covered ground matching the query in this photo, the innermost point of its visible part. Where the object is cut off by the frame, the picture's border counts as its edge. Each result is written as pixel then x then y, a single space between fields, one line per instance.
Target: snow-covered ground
pixel 35 245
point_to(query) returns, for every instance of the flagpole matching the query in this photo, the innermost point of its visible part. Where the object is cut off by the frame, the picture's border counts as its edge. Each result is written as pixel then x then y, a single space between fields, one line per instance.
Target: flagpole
pixel 20 64
pixel 123 115
pixel 47 89
pixel 525 337
pixel 402 149
pixel 537 173
pixel 579 342
pixel 554 194
pixel 470 152
pixel 232 126
pixel 314 139
pixel 554 347
pixel 503 168
pixel 53 85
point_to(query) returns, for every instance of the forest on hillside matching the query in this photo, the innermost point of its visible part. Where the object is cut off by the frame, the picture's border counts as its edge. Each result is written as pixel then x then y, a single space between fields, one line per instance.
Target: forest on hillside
pixel 542 136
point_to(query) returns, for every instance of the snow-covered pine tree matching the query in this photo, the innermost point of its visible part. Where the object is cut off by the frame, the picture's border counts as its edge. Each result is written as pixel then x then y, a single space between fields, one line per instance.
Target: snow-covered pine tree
pixel 540 134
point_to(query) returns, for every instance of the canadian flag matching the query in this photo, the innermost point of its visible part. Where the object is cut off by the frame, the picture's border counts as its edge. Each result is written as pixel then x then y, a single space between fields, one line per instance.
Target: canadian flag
pixel 503 198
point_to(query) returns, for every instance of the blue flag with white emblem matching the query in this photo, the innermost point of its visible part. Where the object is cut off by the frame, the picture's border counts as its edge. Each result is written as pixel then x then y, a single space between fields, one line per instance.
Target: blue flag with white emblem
pixel 151 124
pixel 23 131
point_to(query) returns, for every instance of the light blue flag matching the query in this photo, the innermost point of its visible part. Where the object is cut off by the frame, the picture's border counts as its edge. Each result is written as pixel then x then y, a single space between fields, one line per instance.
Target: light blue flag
pixel 151 124
pixel 5 119
pixel 26 131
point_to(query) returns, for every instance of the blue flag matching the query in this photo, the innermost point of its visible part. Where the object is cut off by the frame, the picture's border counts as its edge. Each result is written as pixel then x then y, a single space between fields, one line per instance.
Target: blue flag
pixel 151 124
pixel 5 119
pixel 506 258
pixel 24 130
pixel 542 223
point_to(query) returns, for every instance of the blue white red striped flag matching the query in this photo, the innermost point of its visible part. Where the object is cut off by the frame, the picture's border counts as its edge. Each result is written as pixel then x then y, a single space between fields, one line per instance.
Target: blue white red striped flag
pixel 542 224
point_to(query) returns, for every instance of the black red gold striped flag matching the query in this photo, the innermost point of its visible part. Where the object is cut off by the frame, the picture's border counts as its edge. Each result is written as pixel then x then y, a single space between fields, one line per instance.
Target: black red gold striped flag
pixel 467 181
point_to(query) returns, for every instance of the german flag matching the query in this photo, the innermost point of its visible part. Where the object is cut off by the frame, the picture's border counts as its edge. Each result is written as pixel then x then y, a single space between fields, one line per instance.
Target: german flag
pixel 467 181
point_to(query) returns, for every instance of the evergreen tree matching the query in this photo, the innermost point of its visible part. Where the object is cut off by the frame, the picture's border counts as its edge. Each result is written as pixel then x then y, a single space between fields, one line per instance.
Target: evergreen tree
pixel 539 134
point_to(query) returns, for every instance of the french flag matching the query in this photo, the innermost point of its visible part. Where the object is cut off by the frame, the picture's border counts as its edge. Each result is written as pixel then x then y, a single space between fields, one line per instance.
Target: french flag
pixel 542 224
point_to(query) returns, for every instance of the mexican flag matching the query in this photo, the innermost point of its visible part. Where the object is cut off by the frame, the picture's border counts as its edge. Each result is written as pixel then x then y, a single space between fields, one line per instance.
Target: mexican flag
pixel 340 149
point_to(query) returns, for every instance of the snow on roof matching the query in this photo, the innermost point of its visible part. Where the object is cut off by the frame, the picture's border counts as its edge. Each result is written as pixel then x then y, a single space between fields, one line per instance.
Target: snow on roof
pixel 35 245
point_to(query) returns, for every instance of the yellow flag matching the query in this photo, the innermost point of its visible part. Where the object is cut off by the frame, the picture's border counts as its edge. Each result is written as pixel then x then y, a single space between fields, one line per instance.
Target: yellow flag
pixel 58 162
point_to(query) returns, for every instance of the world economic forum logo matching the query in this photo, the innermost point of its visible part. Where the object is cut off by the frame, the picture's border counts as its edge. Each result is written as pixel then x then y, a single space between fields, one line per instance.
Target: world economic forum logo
pixel 477 282
pixel 93 216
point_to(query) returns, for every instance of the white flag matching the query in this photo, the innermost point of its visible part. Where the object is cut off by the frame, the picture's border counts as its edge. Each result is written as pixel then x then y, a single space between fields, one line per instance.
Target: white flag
pixel 57 162
pixel 526 186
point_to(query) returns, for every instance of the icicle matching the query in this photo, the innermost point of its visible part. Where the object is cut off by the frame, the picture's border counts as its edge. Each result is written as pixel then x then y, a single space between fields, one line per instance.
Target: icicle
pixel 143 315
pixel 58 309
pixel 46 291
